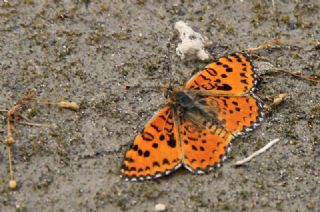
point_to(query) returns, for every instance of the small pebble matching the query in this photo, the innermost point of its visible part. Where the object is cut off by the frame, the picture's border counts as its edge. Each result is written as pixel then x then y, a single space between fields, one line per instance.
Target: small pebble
pixel 69 105
pixel 160 207
pixel 9 140
pixel 13 184
pixel 192 43
pixel 279 99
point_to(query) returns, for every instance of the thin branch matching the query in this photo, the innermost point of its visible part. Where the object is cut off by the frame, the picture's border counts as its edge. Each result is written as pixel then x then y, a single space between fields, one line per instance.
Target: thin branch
pixel 263 149
pixel 273 6
pixel 24 117
pixel 38 125
pixel 297 75
pixel 265 45
pixel 9 149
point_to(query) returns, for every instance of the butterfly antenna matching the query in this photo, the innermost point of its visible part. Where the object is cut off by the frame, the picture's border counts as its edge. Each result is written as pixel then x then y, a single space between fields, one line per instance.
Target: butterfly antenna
pixel 168 59
pixel 167 89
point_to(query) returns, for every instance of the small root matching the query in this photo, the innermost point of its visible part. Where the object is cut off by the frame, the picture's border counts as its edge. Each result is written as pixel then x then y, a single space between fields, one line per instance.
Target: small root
pixel 263 149
pixel 308 78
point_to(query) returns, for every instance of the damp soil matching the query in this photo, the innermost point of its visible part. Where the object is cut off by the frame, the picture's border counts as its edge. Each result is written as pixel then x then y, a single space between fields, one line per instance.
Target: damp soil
pixel 112 58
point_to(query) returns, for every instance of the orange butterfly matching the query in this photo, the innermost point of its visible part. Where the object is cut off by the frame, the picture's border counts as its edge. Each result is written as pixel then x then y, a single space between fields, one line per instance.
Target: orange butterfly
pixel 198 122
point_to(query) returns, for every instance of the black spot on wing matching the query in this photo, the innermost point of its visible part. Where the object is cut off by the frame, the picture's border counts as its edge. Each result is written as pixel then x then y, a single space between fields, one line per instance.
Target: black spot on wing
pixel 129 160
pixel 155 127
pixel 224 76
pixel 229 70
pixel 224 87
pixel 208 86
pixel 146 154
pixel 172 142
pixel 147 136
pixel 204 77
pixel 211 71
pixel 135 147
pixel 165 161
pixel 243 75
pixel 244 81
pixel 132 169
pixel 156 164
pixel 161 137
pixel 163 117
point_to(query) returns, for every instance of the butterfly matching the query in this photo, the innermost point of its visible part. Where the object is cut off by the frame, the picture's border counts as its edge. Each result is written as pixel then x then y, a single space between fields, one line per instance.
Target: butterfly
pixel 195 127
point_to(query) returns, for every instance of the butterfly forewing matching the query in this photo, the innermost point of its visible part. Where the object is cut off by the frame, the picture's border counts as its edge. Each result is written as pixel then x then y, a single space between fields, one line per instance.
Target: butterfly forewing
pixel 156 150
pixel 215 105
pixel 230 75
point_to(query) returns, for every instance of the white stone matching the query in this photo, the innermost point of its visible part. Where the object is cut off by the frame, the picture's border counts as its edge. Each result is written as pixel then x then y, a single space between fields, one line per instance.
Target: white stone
pixel 191 43
pixel 160 207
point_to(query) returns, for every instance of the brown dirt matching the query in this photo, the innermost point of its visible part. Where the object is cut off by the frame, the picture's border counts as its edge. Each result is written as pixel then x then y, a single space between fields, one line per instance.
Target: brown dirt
pixel 89 52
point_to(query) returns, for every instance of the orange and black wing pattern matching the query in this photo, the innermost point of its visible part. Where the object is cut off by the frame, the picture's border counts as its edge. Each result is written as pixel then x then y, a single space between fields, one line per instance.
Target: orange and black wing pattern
pixel 224 104
pixel 237 114
pixel 155 151
pixel 203 147
pixel 230 75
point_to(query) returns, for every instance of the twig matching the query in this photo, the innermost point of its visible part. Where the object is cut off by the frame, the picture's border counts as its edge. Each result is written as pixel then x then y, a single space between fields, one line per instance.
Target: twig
pixel 38 125
pixel 24 117
pixel 273 6
pixel 13 117
pixel 297 75
pixel 267 44
pixel 263 149
pixel 9 141
pixel 9 148
pixel 63 104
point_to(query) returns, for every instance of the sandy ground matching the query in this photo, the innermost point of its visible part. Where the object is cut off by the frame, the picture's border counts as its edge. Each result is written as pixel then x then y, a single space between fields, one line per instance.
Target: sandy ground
pixel 111 57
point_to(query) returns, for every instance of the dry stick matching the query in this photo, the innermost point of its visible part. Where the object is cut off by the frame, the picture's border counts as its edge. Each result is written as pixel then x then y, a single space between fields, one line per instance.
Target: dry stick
pixel 38 125
pixel 297 75
pixel 25 118
pixel 63 104
pixel 28 122
pixel 267 44
pixel 10 114
pixel 263 149
pixel 10 162
pixel 276 41
pixel 9 146
pixel 273 6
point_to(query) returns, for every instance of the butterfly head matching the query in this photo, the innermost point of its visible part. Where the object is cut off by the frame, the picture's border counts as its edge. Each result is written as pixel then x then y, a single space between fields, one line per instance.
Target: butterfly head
pixel 167 90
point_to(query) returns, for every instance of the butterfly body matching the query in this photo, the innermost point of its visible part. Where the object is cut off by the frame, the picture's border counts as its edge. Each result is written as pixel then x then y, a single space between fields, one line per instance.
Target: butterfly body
pixel 195 127
pixel 190 105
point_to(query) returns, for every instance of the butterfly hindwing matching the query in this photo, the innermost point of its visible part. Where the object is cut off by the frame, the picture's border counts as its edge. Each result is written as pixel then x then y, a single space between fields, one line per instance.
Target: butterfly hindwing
pixel 196 126
pixel 235 113
pixel 203 147
pixel 156 150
